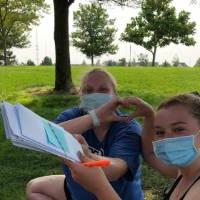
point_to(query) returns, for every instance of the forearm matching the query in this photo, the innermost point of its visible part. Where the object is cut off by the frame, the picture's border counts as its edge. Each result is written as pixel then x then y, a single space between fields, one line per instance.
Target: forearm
pixel 78 125
pixel 107 192
pixel 115 170
pixel 148 153
pixel 148 137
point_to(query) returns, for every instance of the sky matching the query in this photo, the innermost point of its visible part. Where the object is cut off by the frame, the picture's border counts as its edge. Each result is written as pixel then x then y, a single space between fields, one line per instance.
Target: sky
pixel 42 41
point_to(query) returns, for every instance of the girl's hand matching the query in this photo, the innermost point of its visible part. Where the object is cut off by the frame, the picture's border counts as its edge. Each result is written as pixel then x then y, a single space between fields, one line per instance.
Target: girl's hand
pixel 143 109
pixel 107 112
pixel 92 179
pixel 84 145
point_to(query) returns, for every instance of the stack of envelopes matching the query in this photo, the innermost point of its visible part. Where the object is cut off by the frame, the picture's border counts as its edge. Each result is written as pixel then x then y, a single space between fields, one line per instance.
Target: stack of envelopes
pixel 28 130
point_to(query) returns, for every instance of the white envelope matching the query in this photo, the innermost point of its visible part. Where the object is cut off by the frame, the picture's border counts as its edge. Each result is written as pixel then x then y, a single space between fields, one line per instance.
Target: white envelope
pixel 28 130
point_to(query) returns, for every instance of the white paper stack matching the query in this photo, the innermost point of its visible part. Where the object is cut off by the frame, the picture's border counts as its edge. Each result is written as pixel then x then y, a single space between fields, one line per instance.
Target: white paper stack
pixel 28 130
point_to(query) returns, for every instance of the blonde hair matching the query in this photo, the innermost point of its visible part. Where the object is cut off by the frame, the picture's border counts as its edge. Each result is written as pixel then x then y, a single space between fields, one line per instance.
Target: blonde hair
pixel 191 101
pixel 107 74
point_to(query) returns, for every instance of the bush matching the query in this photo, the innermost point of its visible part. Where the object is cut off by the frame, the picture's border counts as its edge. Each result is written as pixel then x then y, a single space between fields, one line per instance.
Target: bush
pixel 46 61
pixel 30 63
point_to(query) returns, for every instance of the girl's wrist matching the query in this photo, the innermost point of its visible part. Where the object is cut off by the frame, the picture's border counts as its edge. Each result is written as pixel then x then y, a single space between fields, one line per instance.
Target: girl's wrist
pixel 150 115
pixel 95 118
pixel 105 191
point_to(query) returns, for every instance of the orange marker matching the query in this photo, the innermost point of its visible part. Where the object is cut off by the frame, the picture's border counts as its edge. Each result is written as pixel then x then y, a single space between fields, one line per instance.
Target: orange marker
pixel 97 163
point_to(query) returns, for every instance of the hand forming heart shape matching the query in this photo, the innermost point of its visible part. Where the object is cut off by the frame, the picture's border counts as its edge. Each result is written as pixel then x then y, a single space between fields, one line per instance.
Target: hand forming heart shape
pixel 107 112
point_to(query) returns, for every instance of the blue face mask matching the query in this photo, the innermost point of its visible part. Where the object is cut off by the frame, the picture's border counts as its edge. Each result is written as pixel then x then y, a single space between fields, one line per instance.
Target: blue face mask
pixel 94 100
pixel 178 151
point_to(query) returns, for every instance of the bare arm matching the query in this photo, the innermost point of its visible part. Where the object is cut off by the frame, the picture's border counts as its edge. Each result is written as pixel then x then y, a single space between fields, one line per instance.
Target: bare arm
pixel 105 113
pixel 94 180
pixel 78 125
pixel 148 153
pixel 144 110
pixel 107 192
pixel 115 170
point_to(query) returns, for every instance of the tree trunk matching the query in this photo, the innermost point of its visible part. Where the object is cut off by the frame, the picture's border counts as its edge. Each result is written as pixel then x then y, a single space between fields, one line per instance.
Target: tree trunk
pixel 92 60
pixel 63 80
pixel 5 52
pixel 154 55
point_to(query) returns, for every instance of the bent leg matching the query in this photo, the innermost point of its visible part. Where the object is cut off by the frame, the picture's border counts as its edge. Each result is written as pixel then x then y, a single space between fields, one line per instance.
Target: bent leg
pixel 46 188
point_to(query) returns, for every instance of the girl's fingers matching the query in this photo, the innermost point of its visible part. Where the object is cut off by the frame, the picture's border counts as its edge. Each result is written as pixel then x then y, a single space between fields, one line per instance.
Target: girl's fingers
pixel 122 118
pixel 83 143
pixel 132 101
pixel 84 158
pixel 80 139
pixel 69 163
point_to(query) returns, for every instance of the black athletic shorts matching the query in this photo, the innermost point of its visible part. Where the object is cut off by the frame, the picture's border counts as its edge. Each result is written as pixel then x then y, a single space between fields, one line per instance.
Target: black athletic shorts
pixel 67 192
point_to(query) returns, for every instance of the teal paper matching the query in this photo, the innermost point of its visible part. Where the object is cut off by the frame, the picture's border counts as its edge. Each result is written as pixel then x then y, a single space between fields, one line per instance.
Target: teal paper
pixel 60 135
pixel 55 136
pixel 51 138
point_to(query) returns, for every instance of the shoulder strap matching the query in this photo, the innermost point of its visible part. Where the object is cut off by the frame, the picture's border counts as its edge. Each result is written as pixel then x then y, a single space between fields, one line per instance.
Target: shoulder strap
pixel 168 191
pixel 198 178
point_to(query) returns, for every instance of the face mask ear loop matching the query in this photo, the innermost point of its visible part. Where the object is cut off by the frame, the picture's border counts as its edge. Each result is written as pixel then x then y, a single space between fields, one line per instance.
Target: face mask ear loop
pixel 195 138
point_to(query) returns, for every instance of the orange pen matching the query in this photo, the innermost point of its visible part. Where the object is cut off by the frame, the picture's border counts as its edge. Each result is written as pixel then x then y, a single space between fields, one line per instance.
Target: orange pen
pixel 97 163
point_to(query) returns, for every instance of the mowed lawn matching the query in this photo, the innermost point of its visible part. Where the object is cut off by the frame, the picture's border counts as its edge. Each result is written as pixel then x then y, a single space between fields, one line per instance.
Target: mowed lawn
pixel 32 86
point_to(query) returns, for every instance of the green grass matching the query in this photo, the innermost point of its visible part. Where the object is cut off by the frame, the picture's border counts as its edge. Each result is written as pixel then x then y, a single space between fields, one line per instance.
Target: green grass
pixel 31 85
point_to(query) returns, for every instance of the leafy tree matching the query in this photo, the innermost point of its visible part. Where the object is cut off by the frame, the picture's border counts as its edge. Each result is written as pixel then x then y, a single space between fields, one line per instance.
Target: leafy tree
pixel 197 64
pixel 143 59
pixel 46 61
pixel 16 18
pixel 94 32
pixel 11 59
pixel 122 62
pixel 110 63
pixel 166 64
pixel 30 62
pixel 157 26
pixel 63 80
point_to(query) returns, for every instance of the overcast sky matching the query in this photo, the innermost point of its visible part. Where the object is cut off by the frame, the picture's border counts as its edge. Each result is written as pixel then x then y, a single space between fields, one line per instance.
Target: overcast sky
pixel 42 36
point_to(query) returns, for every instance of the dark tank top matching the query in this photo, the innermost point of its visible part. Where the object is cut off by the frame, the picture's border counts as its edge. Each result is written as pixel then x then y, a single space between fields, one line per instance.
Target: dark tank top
pixel 168 191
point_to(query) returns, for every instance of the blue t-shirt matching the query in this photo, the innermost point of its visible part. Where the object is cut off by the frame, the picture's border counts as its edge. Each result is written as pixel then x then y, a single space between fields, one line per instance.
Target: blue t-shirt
pixel 121 141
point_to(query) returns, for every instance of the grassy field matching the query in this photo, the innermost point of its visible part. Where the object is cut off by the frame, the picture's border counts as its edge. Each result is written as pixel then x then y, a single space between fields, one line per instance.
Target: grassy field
pixel 32 87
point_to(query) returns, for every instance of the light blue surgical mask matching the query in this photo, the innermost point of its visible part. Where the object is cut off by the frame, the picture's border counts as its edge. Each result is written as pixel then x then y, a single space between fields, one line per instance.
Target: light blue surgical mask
pixel 94 100
pixel 177 151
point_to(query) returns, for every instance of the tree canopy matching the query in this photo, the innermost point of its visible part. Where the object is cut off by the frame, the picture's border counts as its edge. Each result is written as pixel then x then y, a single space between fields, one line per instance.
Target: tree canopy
pixel 94 34
pixel 157 25
pixel 16 18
